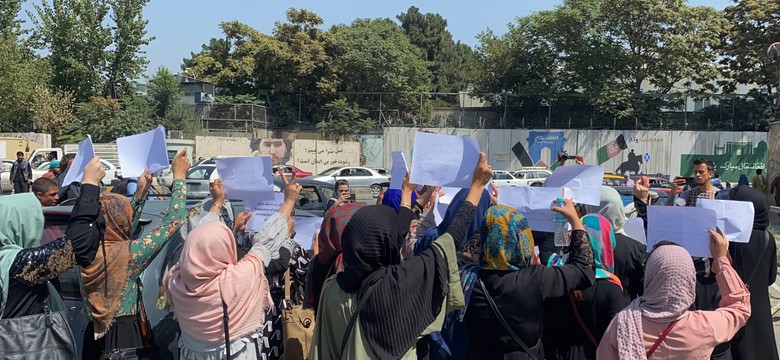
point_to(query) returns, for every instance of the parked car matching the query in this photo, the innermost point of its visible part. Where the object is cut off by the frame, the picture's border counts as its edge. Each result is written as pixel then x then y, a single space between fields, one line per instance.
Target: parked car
pixel 5 176
pixel 356 176
pixel 198 179
pixel 658 183
pixel 505 178
pixel 314 195
pixel 289 170
pixel 111 171
pixel 531 176
pixel 612 180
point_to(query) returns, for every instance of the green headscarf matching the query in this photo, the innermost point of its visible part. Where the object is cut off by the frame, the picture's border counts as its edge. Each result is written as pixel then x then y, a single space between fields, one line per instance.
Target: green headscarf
pixel 21 226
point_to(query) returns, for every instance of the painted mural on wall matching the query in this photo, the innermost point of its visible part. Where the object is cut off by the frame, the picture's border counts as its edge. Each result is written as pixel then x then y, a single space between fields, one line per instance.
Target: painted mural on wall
pixel 543 148
pixel 308 155
pixel 731 159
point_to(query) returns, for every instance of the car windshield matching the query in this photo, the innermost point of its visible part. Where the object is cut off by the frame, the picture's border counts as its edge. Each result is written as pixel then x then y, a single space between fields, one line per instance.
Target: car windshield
pixel 200 172
pixel 329 171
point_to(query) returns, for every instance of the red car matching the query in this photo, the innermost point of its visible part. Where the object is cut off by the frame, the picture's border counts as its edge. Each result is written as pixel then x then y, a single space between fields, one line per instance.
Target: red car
pixel 289 170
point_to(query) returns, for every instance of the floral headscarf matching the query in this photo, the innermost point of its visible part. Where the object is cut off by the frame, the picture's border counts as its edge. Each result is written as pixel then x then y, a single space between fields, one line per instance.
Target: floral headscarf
pixel 509 244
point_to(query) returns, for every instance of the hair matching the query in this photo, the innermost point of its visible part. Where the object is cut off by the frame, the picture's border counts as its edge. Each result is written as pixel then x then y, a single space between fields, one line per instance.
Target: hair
pixel 709 163
pixel 662 243
pixel 19 153
pixel 66 159
pixel 338 184
pixel 717 176
pixel 42 185
pixel 759 171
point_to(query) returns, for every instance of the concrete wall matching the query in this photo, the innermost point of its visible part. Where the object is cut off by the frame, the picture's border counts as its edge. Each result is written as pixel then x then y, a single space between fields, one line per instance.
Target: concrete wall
pixel 648 152
pixel 43 140
pixel 209 146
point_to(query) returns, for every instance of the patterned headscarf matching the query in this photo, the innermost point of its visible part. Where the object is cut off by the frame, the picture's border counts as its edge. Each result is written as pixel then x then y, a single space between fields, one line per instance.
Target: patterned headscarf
pixel 21 226
pixel 602 239
pixel 328 259
pixel 509 244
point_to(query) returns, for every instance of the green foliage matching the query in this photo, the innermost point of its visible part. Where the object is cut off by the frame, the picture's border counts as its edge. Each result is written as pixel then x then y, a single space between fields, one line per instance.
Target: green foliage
pixel 20 73
pixel 126 61
pixel 9 23
pixel 51 111
pixel 343 119
pixel 107 119
pixel 168 107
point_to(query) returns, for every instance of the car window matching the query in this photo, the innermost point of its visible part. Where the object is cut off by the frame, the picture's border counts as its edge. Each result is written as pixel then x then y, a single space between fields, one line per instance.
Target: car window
pixel 543 174
pixel 200 173
pixel 520 175
pixel 531 175
pixel 328 191
pixel 307 195
pixel 105 166
pixel 360 172
pixel 344 172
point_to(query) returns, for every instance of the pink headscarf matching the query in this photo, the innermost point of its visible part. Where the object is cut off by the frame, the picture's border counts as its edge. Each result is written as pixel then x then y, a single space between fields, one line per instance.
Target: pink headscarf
pixel 670 289
pixel 208 273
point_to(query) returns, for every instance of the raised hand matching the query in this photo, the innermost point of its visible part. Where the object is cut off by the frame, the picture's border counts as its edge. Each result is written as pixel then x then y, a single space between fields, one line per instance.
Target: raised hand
pixel 719 246
pixel 642 189
pixel 482 172
pixel 217 192
pixel 144 184
pixel 93 172
pixel 180 165
pixel 239 225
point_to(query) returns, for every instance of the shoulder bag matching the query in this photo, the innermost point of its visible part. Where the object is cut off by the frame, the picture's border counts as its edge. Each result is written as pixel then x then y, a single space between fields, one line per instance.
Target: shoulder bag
pixel 503 322
pixel 146 351
pixel 42 336
pixel 297 325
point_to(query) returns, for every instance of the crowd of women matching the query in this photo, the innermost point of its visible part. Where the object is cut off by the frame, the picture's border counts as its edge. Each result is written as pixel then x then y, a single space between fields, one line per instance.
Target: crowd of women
pixel 385 282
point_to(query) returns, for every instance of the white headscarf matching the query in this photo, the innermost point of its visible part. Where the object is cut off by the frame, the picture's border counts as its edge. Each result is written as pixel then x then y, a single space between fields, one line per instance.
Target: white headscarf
pixel 611 207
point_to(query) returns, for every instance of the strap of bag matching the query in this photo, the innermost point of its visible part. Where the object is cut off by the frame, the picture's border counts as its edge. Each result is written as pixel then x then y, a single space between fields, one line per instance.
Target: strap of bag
pixel 225 319
pixel 146 334
pixel 287 286
pixel 348 331
pixel 584 327
pixel 661 338
pixel 503 321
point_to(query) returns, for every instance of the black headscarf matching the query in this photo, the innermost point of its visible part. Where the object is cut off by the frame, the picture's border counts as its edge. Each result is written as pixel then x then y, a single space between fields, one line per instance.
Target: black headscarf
pixel 747 256
pixel 406 297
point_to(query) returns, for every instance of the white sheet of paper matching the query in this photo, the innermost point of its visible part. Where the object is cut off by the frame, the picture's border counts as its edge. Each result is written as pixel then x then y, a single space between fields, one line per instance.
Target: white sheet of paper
pixel 687 226
pixel 533 202
pixel 439 209
pixel 735 218
pixel 305 228
pixel 583 182
pixel 635 229
pixel 443 160
pixel 261 211
pixel 143 151
pixel 398 171
pixel 84 155
pixel 246 177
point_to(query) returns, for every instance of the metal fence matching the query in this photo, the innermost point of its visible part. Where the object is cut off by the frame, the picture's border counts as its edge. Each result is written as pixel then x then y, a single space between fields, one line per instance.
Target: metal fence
pixel 232 117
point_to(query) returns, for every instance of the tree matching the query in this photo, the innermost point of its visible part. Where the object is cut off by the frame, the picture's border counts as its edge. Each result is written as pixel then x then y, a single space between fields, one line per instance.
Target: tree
pixel 167 102
pixel 377 56
pixel 9 23
pixel 752 26
pixel 20 72
pixel 107 119
pixel 75 34
pixel 343 119
pixel 126 61
pixel 51 112
pixel 450 62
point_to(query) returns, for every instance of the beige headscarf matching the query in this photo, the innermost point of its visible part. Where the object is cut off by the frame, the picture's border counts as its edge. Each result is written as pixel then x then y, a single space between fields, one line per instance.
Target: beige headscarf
pixel 105 280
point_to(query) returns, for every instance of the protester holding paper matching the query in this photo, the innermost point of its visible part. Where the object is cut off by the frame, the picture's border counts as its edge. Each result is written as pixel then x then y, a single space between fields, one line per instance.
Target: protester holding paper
pixel 110 283
pixel 510 277
pixel 756 265
pixel 574 323
pixel 377 307
pixel 659 321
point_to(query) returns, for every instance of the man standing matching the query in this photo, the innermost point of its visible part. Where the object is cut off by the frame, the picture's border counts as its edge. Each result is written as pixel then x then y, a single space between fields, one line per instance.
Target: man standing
pixel 46 191
pixel 21 174
pixel 775 189
pixel 759 181
pixel 54 170
pixel 701 189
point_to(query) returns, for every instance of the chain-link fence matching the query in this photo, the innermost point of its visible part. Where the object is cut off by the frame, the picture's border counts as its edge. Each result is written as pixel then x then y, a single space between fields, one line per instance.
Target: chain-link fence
pixel 232 117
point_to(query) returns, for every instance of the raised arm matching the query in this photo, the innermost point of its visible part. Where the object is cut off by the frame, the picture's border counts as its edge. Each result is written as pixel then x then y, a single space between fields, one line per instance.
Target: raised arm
pixel 86 225
pixel 734 307
pixel 145 249
pixel 578 272
pixel 139 198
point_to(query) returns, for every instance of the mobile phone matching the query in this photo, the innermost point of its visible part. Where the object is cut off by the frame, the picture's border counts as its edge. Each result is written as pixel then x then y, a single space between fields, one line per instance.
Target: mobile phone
pixel 352 197
pixel 690 181
pixel 571 157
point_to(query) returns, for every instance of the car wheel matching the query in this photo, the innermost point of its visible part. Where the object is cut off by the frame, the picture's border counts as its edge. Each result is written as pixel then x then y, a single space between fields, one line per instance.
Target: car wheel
pixel 375 190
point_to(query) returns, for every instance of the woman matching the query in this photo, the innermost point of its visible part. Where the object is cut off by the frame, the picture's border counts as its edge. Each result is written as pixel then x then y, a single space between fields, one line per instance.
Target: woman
pixel 328 259
pixel 743 180
pixel 26 269
pixel 517 286
pixel 756 265
pixel 110 283
pixel 361 308
pixel 630 255
pixel 575 322
pixel 341 195
pixel 659 322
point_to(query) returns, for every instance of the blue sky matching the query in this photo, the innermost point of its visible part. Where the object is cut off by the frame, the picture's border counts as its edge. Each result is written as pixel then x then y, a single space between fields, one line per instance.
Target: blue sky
pixel 181 26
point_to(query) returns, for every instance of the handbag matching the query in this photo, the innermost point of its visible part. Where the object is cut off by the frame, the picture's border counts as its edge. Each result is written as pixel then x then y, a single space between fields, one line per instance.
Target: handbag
pixel 297 325
pixel 42 336
pixel 146 351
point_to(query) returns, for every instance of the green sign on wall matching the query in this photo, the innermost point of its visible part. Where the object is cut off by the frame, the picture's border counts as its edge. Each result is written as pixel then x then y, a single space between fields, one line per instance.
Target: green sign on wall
pixel 731 161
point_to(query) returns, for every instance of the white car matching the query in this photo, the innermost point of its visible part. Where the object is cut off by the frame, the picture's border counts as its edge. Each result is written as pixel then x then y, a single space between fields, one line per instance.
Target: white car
pixel 111 171
pixel 5 176
pixel 532 176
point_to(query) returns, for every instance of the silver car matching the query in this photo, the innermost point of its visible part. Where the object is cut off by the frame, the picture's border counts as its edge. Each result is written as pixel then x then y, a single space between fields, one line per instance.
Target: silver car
pixel 356 177
pixel 198 179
